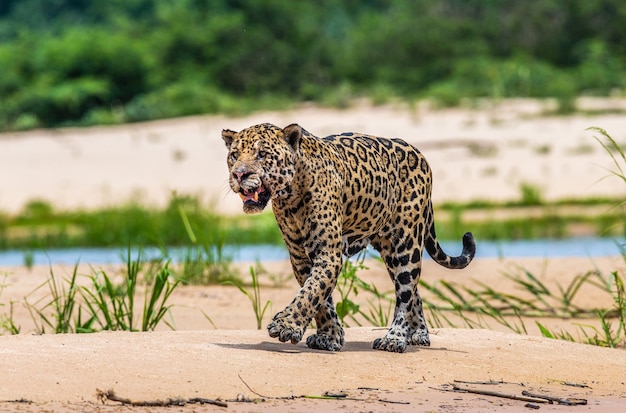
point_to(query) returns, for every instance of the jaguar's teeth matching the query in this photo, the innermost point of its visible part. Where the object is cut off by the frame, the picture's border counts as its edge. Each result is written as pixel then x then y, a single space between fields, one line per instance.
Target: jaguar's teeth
pixel 250 195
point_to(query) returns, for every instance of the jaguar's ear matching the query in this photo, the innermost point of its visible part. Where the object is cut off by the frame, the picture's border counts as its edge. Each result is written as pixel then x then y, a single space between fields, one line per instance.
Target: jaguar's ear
pixel 228 136
pixel 293 134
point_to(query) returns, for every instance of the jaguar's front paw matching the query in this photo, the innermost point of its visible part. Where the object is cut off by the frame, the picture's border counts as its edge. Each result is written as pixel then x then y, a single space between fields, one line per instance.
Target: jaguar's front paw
pixel 396 345
pixel 286 328
pixel 325 342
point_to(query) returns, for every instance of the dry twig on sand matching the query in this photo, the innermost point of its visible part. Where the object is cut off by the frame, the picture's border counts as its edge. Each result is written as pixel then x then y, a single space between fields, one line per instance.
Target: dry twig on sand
pixel 488 382
pixel 559 400
pixel 103 396
pixel 526 396
pixel 498 394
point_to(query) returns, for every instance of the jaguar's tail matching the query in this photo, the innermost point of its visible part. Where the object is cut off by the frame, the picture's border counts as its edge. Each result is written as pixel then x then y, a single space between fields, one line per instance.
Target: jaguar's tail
pixel 437 253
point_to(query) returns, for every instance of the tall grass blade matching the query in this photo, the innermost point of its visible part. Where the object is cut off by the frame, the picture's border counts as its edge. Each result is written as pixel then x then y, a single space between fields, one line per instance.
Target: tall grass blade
pixel 7 323
pixel 186 224
pixel 614 151
pixel 156 307
pixel 61 305
pixel 254 296
pixel 128 306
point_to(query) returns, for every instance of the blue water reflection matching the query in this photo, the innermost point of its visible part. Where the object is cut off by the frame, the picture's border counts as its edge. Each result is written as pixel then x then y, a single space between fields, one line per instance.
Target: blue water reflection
pixel 572 247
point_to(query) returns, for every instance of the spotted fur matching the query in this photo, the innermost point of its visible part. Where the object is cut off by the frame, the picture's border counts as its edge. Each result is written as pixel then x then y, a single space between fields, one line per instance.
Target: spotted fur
pixel 332 197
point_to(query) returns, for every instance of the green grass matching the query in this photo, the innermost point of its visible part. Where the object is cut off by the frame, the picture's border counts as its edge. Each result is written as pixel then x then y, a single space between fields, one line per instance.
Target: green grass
pixel 39 225
pixel 480 306
pixel 96 302
pixel 59 311
pixel 112 307
pixel 616 152
pixel 7 324
pixel 204 261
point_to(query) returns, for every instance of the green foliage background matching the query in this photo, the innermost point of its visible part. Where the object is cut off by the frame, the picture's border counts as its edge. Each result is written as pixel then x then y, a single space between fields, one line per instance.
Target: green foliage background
pixel 83 62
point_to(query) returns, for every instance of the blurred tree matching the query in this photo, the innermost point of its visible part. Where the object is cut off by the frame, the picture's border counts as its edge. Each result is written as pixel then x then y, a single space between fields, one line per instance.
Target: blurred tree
pixel 82 61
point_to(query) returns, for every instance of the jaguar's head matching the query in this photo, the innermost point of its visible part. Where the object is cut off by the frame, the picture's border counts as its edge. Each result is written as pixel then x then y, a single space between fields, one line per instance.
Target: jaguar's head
pixel 261 161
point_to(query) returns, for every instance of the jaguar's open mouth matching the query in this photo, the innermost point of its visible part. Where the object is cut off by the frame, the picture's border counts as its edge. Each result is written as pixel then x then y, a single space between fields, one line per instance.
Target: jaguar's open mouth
pixel 257 199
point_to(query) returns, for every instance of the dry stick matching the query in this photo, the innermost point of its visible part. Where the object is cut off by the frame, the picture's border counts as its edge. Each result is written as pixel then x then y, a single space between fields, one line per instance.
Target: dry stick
pixel 559 400
pixel 22 400
pixel 103 396
pixel 498 394
pixel 393 401
pixel 490 382
pixel 566 383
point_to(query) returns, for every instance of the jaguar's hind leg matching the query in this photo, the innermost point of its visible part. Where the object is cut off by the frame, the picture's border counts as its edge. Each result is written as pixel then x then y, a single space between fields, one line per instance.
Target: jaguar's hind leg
pixel 419 336
pixel 404 267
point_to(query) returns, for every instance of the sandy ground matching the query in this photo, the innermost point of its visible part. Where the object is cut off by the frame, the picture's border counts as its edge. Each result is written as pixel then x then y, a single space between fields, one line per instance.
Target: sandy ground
pixel 479 153
pixel 221 358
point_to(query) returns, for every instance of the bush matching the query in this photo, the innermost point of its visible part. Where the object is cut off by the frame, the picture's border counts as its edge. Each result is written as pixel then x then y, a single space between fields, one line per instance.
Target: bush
pixel 179 99
pixel 497 78
pixel 75 62
pixel 66 77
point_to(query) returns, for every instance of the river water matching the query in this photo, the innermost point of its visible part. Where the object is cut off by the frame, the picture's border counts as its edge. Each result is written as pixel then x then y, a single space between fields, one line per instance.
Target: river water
pixel 540 248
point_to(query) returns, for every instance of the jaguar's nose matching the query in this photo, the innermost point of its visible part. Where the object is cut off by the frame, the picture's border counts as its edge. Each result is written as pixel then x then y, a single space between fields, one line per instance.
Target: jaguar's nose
pixel 240 174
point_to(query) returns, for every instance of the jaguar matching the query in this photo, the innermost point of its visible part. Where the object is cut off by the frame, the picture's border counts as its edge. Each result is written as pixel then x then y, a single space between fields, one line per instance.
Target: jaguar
pixel 332 197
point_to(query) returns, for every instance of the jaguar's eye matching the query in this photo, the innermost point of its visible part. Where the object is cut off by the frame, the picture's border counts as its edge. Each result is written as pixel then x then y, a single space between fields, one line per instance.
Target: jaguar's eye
pixel 261 155
pixel 234 155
